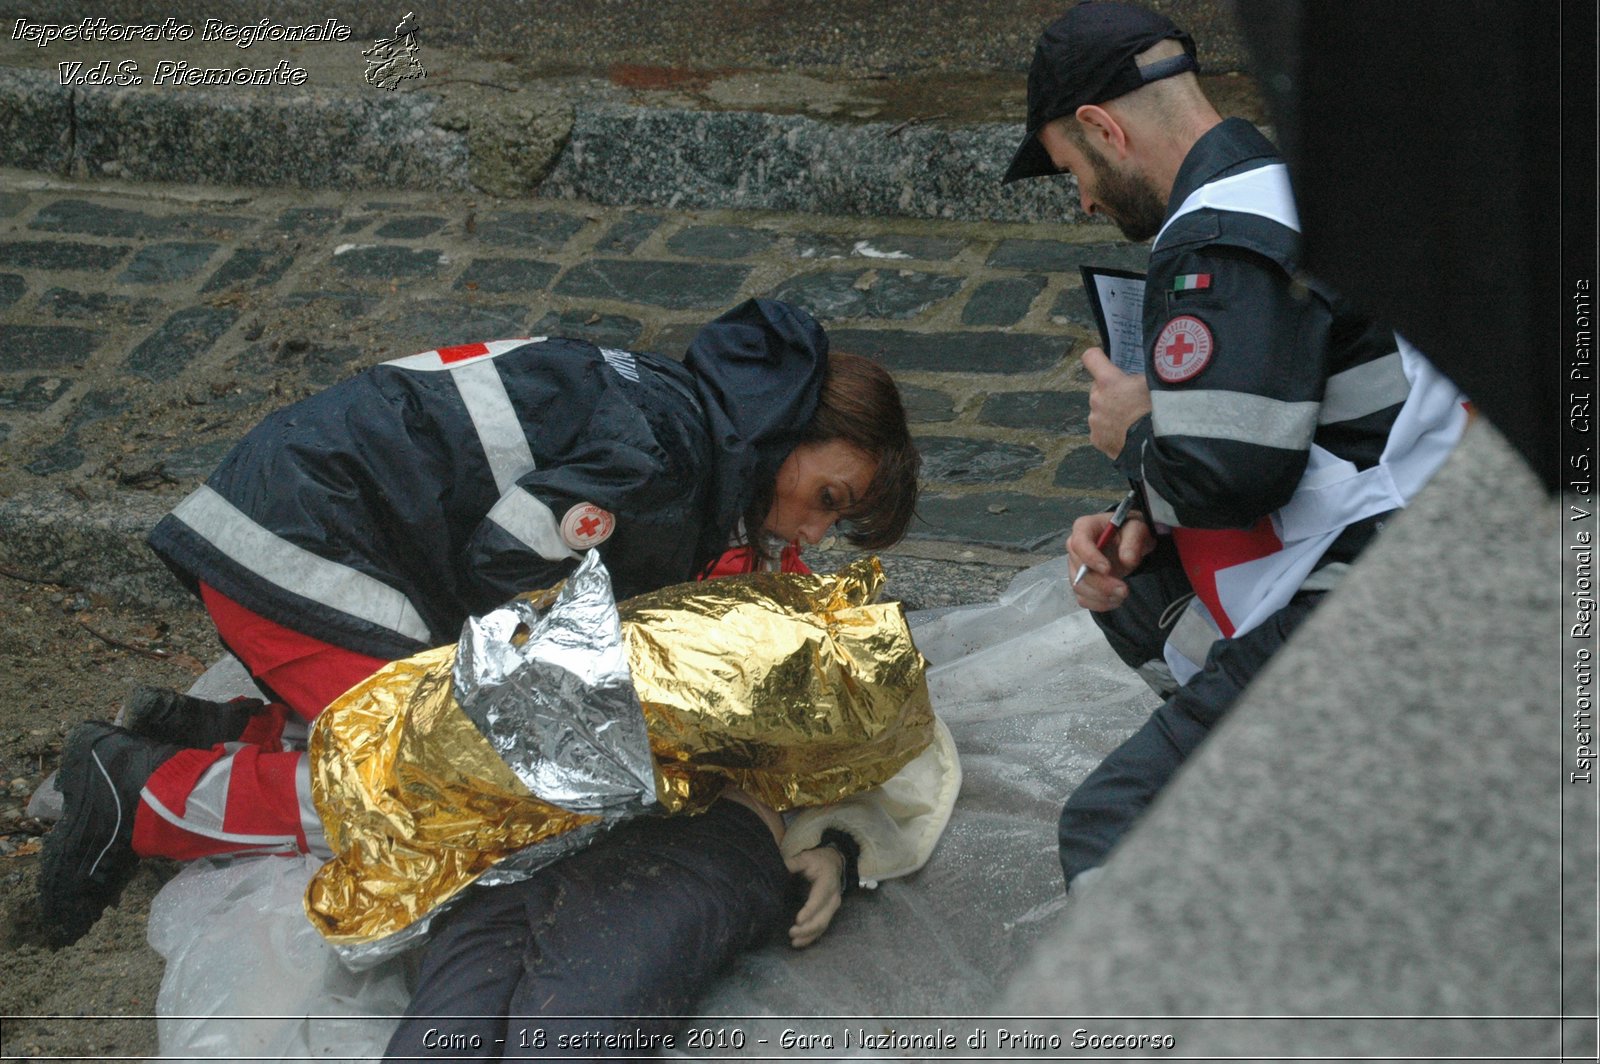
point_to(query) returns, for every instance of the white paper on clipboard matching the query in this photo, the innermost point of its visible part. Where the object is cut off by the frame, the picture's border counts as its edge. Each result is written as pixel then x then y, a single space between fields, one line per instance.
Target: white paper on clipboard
pixel 1117 299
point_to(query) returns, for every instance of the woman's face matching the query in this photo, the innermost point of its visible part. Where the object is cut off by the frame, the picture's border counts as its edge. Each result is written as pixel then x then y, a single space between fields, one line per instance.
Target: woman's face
pixel 816 484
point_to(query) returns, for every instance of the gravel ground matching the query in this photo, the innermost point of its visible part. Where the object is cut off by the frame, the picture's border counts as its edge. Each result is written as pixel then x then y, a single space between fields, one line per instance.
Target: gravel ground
pixel 66 656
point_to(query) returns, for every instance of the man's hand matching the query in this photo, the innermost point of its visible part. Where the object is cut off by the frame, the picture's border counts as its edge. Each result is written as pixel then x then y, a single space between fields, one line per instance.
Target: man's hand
pixel 823 867
pixel 1102 587
pixel 1116 401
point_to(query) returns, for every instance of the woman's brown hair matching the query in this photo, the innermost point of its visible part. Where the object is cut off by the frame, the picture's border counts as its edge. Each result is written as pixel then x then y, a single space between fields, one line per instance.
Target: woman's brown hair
pixel 861 406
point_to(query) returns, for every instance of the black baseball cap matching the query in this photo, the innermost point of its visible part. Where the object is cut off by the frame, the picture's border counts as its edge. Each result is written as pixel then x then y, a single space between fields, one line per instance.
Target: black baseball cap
pixel 1087 56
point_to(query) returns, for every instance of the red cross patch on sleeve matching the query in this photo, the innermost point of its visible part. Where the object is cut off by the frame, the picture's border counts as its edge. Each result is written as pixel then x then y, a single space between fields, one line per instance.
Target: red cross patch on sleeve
pixel 1182 350
pixel 586 525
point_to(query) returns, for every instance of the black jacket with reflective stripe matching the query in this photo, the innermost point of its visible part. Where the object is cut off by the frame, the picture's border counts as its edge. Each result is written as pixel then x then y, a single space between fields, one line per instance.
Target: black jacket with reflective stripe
pixel 1277 339
pixel 379 514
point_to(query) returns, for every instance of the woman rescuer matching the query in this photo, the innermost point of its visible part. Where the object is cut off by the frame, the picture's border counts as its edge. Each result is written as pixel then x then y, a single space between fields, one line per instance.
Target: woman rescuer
pixel 367 522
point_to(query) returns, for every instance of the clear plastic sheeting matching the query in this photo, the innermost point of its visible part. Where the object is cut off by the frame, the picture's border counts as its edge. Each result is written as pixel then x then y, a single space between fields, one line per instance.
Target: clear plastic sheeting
pixel 247 975
pixel 1034 699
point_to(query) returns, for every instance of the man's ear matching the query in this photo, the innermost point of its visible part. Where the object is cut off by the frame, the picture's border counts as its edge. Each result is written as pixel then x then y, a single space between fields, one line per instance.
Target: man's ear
pixel 1103 131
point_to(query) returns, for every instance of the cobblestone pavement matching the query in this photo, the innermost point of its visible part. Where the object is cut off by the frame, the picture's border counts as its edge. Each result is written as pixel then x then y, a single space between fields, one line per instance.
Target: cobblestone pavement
pixel 144 328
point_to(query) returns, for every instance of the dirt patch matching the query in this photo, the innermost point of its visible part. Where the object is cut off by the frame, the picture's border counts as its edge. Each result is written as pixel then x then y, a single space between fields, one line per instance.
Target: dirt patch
pixel 951 97
pixel 644 76
pixel 68 656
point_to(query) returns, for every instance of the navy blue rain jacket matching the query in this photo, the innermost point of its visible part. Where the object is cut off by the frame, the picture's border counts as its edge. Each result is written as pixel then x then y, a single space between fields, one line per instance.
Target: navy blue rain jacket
pixel 379 514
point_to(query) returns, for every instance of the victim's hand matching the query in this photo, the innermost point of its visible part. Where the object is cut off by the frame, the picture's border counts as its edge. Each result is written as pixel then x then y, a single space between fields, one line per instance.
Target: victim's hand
pixel 823 868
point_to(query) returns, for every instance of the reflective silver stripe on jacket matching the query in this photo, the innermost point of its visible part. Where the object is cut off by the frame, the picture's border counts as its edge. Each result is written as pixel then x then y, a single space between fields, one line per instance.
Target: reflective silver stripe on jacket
pixel 477 381
pixel 530 522
pixel 1161 511
pixel 1365 389
pixel 500 431
pixel 1327 578
pixel 1238 416
pixel 296 569
pixel 623 362
pixel 430 362
pixel 205 828
pixel 1194 633
pixel 505 441
pixel 1263 191
pixel 501 434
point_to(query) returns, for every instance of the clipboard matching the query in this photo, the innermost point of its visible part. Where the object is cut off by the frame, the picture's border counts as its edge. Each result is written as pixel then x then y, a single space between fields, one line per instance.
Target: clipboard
pixel 1117 299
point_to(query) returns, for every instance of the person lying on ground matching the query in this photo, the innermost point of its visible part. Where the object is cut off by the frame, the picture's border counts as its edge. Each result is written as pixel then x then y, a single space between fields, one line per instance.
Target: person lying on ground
pixel 524 754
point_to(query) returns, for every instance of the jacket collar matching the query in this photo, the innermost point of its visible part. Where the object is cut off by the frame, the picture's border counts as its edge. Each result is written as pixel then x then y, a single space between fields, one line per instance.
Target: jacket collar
pixel 1232 146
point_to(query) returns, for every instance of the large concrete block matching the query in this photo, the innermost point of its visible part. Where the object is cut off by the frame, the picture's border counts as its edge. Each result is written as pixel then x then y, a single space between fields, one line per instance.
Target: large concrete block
pixel 512 145
pixel 747 159
pixel 97 546
pixel 299 137
pixel 35 120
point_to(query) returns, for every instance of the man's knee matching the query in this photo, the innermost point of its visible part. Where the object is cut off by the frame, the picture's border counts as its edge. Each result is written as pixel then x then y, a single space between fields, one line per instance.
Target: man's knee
pixel 1078 845
pixel 649 915
pixel 1102 808
pixel 1158 675
pixel 1099 812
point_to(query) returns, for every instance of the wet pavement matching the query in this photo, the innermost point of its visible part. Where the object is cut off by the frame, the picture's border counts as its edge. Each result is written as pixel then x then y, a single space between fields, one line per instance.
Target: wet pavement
pixel 176 260
pixel 144 328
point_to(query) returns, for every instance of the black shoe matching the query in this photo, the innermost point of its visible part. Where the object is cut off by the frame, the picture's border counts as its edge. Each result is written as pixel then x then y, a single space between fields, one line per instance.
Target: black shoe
pixel 170 717
pixel 88 857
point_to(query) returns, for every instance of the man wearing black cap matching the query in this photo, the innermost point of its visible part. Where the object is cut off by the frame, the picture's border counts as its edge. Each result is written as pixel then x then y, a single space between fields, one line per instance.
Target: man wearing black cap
pixel 1272 430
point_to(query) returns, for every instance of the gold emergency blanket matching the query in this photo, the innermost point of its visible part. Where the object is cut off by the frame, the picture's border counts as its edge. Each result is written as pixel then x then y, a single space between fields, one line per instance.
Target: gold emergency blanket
pixel 796 688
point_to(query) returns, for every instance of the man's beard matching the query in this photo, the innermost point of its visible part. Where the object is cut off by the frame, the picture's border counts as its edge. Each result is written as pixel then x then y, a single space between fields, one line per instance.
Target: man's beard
pixel 1127 199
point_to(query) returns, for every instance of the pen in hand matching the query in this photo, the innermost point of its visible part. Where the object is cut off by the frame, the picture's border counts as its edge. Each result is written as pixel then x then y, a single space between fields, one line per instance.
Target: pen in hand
pixel 1118 516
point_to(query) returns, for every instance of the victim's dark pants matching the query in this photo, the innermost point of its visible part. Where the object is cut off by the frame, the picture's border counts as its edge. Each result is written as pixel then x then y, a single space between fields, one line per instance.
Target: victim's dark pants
pixel 620 937
pixel 1108 802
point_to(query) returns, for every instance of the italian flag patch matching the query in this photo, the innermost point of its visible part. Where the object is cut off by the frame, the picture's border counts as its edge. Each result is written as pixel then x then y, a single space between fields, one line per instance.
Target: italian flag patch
pixel 1189 282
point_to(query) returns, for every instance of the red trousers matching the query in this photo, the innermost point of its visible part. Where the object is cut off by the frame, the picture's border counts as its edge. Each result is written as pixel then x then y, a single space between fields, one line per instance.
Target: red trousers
pixel 253 795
